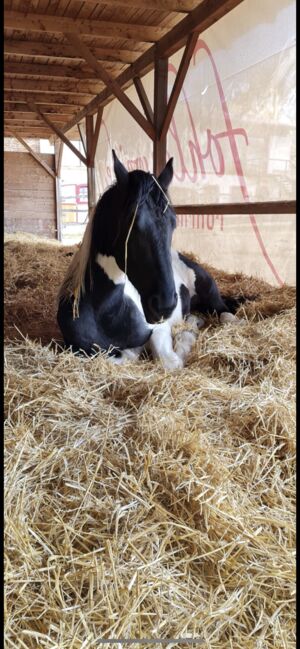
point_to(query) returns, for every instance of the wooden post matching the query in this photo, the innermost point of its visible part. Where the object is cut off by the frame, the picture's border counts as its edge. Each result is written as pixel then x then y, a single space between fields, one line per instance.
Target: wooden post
pixel 58 151
pixel 89 136
pixel 160 107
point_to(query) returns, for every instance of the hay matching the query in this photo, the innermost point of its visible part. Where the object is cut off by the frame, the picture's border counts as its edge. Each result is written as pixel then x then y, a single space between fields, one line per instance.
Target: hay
pixel 147 504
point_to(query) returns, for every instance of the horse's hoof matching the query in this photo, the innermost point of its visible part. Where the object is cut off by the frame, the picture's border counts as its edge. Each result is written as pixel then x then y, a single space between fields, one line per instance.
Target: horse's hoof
pixel 195 321
pixel 171 361
pixel 225 318
pixel 184 342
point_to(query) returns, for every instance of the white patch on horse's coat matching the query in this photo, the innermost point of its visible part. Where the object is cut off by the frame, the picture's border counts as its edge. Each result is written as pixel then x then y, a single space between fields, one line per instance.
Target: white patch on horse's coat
pixel 116 275
pixel 183 274
pixel 111 268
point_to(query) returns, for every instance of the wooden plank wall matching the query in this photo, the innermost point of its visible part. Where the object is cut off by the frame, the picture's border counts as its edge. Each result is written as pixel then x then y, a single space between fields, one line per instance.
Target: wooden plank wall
pixel 29 195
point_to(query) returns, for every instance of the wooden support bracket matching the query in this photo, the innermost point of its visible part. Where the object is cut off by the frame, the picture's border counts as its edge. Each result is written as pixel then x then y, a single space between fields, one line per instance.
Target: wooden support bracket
pixel 178 83
pixel 57 131
pixel 85 52
pixel 34 154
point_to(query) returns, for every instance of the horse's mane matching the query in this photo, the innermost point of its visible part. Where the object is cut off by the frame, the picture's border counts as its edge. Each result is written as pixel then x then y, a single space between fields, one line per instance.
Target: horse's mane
pixel 74 280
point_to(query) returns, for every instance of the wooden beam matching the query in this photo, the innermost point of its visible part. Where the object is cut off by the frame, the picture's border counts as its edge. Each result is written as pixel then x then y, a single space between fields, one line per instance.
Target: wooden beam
pixel 62 51
pixel 147 108
pixel 58 209
pixel 47 70
pixel 58 152
pixel 81 138
pixel 91 181
pixel 96 135
pixel 258 207
pixel 178 83
pixel 23 123
pixel 29 116
pixel 32 22
pixel 160 105
pixel 64 112
pixel 111 83
pixel 162 5
pixel 72 87
pixel 58 132
pixel 202 17
pixel 37 135
pixel 44 98
pixel 34 154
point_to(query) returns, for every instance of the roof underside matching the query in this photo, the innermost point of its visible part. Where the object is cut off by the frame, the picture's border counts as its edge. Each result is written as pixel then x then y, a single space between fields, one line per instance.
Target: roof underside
pixel 44 68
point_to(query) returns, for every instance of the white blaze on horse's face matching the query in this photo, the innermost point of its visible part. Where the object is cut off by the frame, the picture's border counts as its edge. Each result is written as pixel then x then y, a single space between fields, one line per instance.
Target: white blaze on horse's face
pixel 144 248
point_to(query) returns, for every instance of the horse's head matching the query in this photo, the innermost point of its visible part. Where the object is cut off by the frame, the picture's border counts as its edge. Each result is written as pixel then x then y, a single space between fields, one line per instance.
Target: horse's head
pixel 144 248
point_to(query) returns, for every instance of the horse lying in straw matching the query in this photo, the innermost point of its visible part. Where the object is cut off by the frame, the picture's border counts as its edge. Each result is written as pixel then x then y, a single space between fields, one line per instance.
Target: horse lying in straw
pixel 126 287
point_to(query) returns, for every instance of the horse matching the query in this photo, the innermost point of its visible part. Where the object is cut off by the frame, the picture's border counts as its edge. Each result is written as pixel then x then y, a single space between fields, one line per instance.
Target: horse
pixel 126 286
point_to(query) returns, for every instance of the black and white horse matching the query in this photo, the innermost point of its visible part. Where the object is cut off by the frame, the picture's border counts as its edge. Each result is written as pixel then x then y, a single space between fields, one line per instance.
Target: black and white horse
pixel 126 287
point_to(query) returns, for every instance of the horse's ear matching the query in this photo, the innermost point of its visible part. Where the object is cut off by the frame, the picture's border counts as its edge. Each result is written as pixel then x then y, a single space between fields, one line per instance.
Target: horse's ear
pixel 166 175
pixel 120 172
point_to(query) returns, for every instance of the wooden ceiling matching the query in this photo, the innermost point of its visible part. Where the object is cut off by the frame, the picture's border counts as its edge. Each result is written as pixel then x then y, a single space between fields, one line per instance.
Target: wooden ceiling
pixel 66 58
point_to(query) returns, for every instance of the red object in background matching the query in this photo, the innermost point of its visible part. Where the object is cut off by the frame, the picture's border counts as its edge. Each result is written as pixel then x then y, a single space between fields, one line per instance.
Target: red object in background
pixel 74 193
pixel 81 192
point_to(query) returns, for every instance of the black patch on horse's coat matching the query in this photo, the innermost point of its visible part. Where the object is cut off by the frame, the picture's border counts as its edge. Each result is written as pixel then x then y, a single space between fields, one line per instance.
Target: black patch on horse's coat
pixel 208 298
pixel 185 300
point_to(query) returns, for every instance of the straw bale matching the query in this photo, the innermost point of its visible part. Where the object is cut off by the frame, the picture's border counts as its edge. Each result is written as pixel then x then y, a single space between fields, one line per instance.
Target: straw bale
pixel 141 503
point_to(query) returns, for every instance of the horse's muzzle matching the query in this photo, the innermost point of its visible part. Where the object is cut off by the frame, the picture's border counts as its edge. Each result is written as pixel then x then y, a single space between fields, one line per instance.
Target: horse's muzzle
pixel 159 309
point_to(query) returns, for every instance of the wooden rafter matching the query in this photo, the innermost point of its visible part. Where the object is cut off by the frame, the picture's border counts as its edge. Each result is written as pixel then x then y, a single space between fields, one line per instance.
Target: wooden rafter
pixel 182 6
pixel 62 51
pixel 61 111
pixel 34 154
pixel 111 83
pixel 72 87
pixel 27 116
pixel 202 17
pixel 45 23
pixel 43 98
pixel 47 70
pixel 57 132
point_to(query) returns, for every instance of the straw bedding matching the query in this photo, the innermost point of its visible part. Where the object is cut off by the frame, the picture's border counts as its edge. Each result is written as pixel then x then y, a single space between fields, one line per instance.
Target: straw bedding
pixel 142 503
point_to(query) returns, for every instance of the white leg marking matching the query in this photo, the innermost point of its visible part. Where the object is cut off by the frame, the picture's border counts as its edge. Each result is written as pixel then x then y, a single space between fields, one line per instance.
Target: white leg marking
pixel 161 346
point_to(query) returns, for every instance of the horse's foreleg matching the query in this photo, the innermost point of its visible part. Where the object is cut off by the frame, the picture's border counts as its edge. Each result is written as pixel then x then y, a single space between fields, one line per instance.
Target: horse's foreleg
pixel 161 346
pixel 184 340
